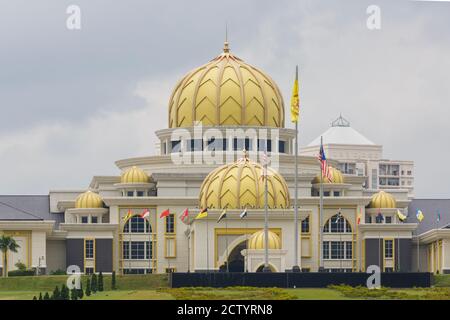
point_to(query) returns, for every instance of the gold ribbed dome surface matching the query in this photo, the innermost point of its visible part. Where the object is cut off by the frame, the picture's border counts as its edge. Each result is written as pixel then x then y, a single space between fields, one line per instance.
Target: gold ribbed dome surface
pixel 239 185
pixel 336 177
pixel 382 200
pixel 226 92
pixel 134 175
pixel 88 200
pixel 257 240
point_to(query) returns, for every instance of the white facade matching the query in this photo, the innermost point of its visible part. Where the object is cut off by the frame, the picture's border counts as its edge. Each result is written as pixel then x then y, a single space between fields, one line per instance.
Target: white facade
pixel 359 156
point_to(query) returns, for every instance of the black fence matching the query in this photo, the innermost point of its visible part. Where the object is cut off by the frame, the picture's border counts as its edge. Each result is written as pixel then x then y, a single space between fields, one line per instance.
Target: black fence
pixel 296 280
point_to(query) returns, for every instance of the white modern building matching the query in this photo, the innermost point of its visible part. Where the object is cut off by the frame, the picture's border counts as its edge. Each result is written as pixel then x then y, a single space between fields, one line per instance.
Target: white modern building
pixel 359 156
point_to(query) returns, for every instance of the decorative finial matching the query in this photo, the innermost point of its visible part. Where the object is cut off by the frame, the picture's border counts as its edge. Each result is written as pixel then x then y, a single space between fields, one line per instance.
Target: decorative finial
pixel 245 153
pixel 226 48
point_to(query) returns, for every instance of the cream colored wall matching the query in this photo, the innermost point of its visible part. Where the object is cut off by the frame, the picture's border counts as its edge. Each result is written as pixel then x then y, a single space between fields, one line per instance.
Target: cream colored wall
pixel 39 249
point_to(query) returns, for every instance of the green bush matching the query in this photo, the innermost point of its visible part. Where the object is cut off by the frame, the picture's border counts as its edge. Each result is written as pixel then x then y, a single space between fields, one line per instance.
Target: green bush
pixel 100 282
pixel 56 294
pixel 21 266
pixel 58 272
pixel 21 273
pixel 113 281
pixel 366 293
pixel 94 283
pixel 88 287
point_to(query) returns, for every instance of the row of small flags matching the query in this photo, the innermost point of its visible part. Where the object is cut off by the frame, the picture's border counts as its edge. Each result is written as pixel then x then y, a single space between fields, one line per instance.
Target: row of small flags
pixel 202 214
pixel 402 217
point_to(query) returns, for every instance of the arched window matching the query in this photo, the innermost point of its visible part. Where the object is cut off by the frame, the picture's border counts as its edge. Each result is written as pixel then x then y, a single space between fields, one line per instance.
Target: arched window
pixel 137 224
pixel 337 224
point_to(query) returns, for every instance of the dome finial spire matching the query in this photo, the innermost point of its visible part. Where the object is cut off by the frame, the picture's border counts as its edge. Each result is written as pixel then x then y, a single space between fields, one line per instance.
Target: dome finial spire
pixel 226 48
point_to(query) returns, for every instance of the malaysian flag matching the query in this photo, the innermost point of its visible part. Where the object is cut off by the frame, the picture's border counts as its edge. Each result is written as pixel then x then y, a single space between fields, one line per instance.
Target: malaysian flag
pixel 323 164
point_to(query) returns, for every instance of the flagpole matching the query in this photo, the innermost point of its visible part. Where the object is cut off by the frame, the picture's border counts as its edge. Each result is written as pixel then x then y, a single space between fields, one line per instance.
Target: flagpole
pixel 379 249
pixel 150 244
pixel 189 246
pixel 207 246
pixel 246 244
pixel 418 258
pixel 296 266
pixel 266 222
pixel 321 217
pixel 226 241
pixel 398 254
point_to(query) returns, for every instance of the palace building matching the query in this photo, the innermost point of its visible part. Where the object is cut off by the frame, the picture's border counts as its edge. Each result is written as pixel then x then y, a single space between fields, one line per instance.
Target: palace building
pixel 214 113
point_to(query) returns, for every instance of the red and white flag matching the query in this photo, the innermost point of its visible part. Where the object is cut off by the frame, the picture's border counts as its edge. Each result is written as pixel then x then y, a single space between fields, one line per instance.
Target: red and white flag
pixel 185 215
pixel 144 214
pixel 165 213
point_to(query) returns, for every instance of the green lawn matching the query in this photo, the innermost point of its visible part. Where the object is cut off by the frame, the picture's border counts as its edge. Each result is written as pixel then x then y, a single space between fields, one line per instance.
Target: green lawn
pixel 151 287
pixel 48 283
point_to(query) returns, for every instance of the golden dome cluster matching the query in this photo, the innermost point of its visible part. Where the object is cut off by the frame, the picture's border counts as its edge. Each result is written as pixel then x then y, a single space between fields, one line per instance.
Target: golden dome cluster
pixel 226 92
pixel 239 185
pixel 257 240
pixel 134 175
pixel 336 177
pixel 382 200
pixel 88 200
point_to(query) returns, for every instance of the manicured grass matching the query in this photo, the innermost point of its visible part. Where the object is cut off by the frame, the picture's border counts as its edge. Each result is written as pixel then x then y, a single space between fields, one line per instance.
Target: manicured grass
pixel 18 295
pixel 48 283
pixel 130 295
pixel 442 280
pixel 317 294
pixel 155 286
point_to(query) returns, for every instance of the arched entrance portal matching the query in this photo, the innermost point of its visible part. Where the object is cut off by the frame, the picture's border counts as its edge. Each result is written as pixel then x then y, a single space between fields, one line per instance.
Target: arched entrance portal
pixel 236 259
pixel 261 267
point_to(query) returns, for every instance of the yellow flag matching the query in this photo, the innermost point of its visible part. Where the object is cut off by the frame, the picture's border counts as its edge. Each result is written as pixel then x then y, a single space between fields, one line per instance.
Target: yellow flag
pixel 295 100
pixel 400 215
pixel 419 215
pixel 128 215
pixel 202 214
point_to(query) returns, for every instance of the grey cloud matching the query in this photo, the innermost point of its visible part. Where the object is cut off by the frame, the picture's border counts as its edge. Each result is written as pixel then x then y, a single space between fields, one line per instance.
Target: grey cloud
pixel 391 84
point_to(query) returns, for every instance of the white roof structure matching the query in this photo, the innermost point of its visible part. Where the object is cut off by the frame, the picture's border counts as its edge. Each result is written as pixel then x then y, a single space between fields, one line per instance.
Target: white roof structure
pixel 340 132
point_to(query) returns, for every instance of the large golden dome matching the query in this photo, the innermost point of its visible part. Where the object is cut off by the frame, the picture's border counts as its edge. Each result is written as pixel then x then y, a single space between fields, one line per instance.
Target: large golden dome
pixel 226 92
pixel 239 185
pixel 382 200
pixel 257 240
pixel 336 176
pixel 88 200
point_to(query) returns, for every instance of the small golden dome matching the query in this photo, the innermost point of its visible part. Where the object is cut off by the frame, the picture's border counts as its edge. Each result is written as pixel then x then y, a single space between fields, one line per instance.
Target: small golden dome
pixel 226 92
pixel 382 200
pixel 88 200
pixel 239 185
pixel 134 175
pixel 336 177
pixel 257 240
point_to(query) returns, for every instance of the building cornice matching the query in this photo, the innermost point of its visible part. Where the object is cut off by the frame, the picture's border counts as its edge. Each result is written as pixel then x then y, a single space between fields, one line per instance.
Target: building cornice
pixel 150 201
pixel 434 235
pixel 88 227
pixel 387 227
pixel 45 225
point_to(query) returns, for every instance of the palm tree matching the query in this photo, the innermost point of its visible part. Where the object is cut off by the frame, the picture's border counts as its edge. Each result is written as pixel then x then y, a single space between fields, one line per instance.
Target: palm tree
pixel 7 244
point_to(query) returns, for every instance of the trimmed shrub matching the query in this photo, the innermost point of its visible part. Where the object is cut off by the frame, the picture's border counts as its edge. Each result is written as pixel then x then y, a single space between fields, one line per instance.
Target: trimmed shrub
pixel 100 282
pixel 73 294
pixel 56 294
pixel 88 287
pixel 94 283
pixel 20 273
pixel 113 281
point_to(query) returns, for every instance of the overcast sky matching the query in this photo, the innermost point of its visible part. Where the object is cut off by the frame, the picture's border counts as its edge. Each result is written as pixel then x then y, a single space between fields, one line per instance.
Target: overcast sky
pixel 73 102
